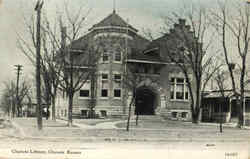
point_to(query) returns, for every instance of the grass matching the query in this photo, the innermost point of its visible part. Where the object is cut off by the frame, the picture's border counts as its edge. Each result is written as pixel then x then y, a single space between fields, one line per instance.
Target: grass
pixel 146 124
pixel 168 130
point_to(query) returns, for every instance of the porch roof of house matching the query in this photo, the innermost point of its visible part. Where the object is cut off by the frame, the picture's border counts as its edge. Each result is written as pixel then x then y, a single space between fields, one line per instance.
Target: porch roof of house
pixel 227 93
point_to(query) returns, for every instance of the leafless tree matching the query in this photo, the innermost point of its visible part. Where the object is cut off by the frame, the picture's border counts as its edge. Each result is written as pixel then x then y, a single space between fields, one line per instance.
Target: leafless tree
pixel 8 98
pixel 57 37
pixel 189 45
pixel 49 67
pixel 74 72
pixel 231 21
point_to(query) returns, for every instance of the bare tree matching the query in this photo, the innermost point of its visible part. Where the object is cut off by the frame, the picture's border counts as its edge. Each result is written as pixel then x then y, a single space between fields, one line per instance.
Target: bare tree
pixel 55 49
pixel 189 46
pixel 49 67
pixel 234 24
pixel 220 78
pixel 9 102
pixel 74 73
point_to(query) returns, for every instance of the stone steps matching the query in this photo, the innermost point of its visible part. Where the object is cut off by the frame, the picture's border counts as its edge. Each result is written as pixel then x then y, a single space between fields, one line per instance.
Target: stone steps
pixel 154 118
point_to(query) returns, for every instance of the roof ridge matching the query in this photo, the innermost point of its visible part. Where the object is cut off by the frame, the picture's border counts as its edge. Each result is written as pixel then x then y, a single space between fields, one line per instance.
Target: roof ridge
pixel 113 19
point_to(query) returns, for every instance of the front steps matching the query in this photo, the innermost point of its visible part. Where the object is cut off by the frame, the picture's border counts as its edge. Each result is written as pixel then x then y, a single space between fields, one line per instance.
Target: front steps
pixel 151 118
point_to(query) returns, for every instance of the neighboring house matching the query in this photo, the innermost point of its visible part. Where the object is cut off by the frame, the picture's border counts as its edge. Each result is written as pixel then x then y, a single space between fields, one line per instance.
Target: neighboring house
pixel 163 91
pixel 216 108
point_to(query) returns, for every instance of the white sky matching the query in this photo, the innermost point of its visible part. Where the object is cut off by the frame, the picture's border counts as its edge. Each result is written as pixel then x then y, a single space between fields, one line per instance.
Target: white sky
pixel 141 14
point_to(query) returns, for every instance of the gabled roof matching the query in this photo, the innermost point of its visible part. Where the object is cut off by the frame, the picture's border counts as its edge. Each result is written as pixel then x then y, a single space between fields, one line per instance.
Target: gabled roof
pixel 113 20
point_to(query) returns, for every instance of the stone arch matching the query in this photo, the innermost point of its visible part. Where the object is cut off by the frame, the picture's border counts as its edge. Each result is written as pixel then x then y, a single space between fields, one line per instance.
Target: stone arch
pixel 149 98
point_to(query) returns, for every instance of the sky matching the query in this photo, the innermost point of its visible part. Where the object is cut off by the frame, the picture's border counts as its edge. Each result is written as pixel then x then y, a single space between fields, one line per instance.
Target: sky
pixel 140 13
pixel 143 13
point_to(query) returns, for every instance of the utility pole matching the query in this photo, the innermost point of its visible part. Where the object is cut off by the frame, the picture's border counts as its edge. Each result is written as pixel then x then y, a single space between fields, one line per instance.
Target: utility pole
pixel 19 69
pixel 38 8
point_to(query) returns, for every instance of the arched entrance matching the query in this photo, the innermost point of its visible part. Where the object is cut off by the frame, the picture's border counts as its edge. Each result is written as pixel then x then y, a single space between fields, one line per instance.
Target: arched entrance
pixel 145 102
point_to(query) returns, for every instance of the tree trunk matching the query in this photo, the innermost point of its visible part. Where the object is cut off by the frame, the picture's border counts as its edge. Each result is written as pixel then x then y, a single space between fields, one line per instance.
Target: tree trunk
pixel 240 121
pixel 137 118
pixel 70 107
pixel 196 114
pixel 221 116
pixel 53 109
pixel 195 118
pixel 47 112
pixel 129 113
pixel 18 111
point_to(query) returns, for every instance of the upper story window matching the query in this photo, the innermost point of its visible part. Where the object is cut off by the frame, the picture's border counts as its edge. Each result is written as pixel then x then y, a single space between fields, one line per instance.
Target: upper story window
pixel 105 76
pixel 178 89
pixel 117 56
pixel 104 85
pixel 105 56
pixel 117 92
pixel 117 77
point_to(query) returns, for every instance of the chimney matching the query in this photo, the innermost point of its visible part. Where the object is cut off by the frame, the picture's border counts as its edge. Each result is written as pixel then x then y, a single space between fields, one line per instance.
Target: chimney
pixel 63 36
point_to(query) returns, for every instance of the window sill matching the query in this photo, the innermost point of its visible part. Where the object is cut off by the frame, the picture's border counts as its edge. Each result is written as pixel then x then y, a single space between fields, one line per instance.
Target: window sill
pixel 104 98
pixel 118 62
pixel 118 98
pixel 179 100
pixel 83 97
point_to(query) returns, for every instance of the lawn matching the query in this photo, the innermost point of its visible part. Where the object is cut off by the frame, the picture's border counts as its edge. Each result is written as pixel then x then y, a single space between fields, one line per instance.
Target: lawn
pixel 147 130
pixel 146 124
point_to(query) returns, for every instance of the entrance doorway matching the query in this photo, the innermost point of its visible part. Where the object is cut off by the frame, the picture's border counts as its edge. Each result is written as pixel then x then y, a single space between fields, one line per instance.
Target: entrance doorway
pixel 145 101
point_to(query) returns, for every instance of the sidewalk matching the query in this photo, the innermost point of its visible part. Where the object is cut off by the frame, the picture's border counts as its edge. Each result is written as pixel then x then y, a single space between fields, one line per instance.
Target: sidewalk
pixel 102 125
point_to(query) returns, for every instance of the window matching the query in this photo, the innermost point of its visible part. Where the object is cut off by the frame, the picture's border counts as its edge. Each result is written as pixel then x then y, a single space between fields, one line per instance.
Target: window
pixel 117 85
pixel 104 93
pixel 84 113
pixel 103 113
pixel 105 56
pixel 84 93
pixel 117 77
pixel 104 84
pixel 184 114
pixel 104 76
pixel 118 56
pixel 174 114
pixel 178 89
pixel 85 90
pixel 117 93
